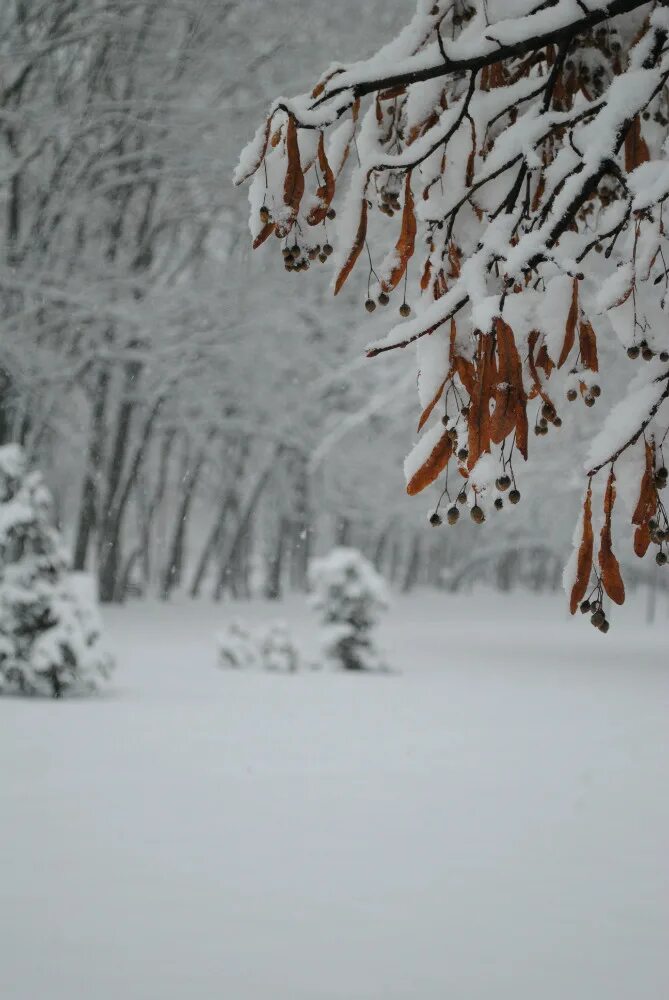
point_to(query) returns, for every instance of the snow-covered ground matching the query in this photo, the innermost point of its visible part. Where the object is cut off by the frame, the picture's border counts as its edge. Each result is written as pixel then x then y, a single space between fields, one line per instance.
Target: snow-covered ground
pixel 491 822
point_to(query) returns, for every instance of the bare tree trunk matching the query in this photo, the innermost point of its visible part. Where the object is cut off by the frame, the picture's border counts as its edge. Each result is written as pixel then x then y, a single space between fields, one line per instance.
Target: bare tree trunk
pixel 412 566
pixel 212 541
pixel 172 574
pixel 275 571
pixel 89 494
pixel 232 547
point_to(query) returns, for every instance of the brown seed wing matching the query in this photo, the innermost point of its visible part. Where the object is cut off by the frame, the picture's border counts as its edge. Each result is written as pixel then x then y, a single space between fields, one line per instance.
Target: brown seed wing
pixel 584 560
pixel 354 252
pixel 432 466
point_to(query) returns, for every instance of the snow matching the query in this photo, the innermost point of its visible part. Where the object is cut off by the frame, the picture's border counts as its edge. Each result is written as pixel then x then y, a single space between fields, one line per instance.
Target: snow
pixel 489 821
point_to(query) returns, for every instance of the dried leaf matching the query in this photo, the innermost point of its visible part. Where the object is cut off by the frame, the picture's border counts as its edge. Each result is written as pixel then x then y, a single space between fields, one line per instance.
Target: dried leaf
pixel 570 329
pixel 647 502
pixel 432 467
pixel 509 391
pixel 479 411
pixel 608 564
pixel 325 191
pixel 425 415
pixel 641 540
pixel 354 253
pixel 636 150
pixel 584 560
pixel 426 275
pixel 587 339
pixel 293 185
pixel 264 233
pixel 407 239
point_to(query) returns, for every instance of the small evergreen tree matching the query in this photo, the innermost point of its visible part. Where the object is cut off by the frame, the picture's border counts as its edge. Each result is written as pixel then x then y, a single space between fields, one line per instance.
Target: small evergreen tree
pixel 50 634
pixel 349 594
pixel 278 650
pixel 236 647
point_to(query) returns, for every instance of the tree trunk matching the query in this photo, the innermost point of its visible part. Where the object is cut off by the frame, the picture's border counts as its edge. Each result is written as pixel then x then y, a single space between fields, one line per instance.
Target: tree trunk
pixel 89 493
pixel 173 571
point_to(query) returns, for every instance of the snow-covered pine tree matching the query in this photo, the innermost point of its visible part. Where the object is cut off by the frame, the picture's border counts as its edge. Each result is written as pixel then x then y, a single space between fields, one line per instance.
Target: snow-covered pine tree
pixel 522 149
pixel 278 650
pixel 50 634
pixel 349 595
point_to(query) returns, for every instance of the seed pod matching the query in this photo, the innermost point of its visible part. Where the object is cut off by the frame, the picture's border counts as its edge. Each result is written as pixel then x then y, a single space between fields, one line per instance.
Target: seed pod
pixel 633 352
pixel 462 497
pixel 647 354
pixel 452 515
pixel 476 514
pixel 596 391
pixel 661 558
pixel 499 503
pixel 598 617
pixel 327 249
pixel 462 454
pixel 664 356
pixel 264 214
pixel 514 496
pixel 384 299
pixel 571 395
pixel 370 305
pixel 503 482
pixel 405 310
pixel 331 213
pixel 435 520
pixel 585 607
pixel 604 627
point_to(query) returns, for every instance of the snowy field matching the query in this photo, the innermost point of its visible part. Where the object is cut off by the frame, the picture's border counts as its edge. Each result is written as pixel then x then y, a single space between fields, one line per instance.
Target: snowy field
pixel 491 822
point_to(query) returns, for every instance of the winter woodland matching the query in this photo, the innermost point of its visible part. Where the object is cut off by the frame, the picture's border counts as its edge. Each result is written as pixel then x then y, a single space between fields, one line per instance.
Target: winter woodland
pixel 334 374
pixel 204 427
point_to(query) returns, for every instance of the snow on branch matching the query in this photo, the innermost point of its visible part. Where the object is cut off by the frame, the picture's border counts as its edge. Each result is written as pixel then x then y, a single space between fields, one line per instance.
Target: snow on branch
pixel 522 159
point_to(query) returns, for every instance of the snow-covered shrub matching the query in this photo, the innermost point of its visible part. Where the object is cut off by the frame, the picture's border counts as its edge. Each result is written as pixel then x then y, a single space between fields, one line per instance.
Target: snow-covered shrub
pixel 236 647
pixel 271 649
pixel 349 595
pixel 278 650
pixel 50 634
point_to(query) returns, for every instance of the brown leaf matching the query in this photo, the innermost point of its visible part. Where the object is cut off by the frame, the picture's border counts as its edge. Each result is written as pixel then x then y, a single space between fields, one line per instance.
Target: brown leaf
pixel 641 540
pixel 636 150
pixel 479 410
pixel 354 252
pixel 454 259
pixel 264 233
pixel 320 86
pixel 432 467
pixel 325 191
pixel 407 239
pixel 293 185
pixel 647 502
pixel 570 329
pixel 587 339
pixel 584 560
pixel 425 415
pixel 427 273
pixel 544 362
pixel 509 391
pixel 608 564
